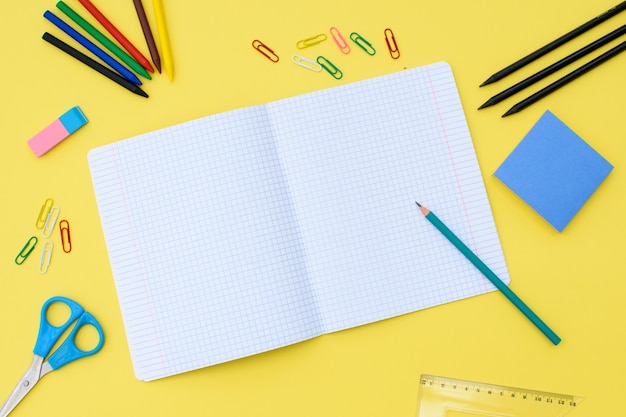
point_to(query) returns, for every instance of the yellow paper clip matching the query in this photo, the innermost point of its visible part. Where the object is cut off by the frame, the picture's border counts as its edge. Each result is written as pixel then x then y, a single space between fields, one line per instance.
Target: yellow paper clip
pixel 51 221
pixel 314 40
pixel 265 50
pixel 26 250
pixel 339 40
pixel 306 63
pixel 66 240
pixel 362 43
pixel 46 256
pixel 391 44
pixel 43 213
pixel 329 67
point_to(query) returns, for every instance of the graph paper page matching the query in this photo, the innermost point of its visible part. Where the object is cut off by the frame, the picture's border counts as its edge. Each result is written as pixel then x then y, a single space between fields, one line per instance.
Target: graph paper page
pixel 356 158
pixel 203 244
pixel 253 229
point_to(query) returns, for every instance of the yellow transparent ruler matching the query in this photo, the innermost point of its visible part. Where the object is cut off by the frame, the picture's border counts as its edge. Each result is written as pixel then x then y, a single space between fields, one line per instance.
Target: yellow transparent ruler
pixel 447 397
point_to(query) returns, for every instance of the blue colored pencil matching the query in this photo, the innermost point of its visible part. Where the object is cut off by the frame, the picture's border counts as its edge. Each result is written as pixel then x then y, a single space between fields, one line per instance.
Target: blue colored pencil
pixel 91 47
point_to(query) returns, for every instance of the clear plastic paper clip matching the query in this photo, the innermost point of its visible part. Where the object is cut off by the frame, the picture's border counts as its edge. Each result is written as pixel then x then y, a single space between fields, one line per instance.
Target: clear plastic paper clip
pixel 46 256
pixel 306 63
pixel 51 221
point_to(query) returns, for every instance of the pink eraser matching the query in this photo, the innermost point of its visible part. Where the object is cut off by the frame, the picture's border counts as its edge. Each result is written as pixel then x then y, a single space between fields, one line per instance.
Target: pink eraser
pixel 57 131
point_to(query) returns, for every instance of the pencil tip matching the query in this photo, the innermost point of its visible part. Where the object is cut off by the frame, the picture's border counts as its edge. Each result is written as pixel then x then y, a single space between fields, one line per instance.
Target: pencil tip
pixel 141 92
pixel 510 111
pixel 493 100
pixel 418 204
pixel 488 81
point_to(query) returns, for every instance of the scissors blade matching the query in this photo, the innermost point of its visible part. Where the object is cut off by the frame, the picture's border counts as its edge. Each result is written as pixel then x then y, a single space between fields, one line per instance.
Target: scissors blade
pixel 27 382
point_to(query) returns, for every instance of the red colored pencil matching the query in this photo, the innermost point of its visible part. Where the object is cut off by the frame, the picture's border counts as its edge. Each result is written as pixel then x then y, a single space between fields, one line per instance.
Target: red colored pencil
pixel 117 34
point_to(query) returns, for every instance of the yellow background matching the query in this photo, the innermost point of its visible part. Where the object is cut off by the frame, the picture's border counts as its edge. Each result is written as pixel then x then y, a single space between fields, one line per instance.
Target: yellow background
pixel 575 280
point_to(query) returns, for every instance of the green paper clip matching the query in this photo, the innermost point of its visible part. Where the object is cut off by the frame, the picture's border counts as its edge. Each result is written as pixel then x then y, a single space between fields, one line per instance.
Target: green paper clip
pixel 26 250
pixel 329 67
pixel 362 43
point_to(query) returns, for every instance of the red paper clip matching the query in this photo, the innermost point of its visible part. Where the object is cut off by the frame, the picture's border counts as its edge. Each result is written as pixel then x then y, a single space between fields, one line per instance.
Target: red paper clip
pixel 66 240
pixel 265 50
pixel 391 44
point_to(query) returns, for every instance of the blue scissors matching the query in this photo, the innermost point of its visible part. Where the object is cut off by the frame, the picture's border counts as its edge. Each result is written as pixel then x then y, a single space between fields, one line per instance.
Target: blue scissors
pixel 48 336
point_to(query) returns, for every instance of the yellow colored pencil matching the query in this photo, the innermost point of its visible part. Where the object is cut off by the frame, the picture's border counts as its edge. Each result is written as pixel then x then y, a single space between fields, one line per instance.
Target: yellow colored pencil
pixel 166 51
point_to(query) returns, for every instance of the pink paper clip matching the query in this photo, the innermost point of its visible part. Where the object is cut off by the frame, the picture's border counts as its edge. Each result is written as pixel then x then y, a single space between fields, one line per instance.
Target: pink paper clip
pixel 339 40
pixel 391 44
pixel 265 50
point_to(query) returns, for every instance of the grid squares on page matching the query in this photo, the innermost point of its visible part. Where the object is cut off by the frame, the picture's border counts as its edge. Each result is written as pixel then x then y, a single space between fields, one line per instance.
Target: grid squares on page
pixel 215 247
pixel 304 217
pixel 354 180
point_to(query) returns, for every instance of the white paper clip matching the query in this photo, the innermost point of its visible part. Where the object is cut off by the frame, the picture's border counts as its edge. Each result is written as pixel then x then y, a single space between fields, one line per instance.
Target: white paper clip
pixel 51 221
pixel 306 63
pixel 46 256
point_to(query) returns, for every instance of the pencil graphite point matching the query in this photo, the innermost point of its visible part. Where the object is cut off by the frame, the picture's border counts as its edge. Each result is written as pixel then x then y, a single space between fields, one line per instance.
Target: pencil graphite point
pixel 511 111
pixel 487 104
pixel 423 209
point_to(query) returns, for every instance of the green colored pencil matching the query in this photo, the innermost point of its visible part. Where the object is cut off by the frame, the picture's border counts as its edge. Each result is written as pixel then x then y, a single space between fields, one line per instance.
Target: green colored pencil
pixel 106 42
pixel 497 282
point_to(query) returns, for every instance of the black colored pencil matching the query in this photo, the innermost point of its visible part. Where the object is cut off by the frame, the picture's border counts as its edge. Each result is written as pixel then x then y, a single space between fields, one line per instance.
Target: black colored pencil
pixel 556 43
pixel 554 67
pixel 566 79
pixel 93 64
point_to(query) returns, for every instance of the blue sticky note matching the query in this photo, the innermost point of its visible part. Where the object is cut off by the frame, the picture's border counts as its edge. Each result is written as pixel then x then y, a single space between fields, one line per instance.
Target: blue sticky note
pixel 553 170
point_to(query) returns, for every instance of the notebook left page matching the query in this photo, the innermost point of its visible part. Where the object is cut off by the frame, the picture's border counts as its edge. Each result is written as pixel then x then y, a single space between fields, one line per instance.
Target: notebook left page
pixel 177 206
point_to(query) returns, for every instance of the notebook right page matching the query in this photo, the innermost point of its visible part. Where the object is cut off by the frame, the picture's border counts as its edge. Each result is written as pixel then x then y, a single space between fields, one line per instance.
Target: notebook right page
pixel 356 158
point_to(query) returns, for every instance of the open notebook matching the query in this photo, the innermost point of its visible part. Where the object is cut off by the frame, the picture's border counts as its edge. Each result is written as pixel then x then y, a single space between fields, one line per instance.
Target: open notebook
pixel 256 228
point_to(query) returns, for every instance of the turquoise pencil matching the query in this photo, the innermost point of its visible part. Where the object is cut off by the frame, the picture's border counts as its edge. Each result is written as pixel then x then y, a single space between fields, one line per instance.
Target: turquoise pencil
pixel 491 276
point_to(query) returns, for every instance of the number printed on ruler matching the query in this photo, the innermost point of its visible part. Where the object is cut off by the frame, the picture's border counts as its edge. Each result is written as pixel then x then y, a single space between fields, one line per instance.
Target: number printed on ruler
pixel 438 396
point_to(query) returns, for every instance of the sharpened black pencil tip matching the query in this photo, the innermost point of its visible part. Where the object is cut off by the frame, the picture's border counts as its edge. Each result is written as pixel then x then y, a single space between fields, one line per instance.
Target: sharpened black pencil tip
pixel 489 80
pixel 140 92
pixel 511 111
pixel 418 204
pixel 492 101
pixel 485 104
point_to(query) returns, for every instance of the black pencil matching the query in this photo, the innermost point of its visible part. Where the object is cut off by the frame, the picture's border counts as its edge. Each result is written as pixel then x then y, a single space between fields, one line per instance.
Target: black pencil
pixel 554 67
pixel 556 43
pixel 93 64
pixel 566 79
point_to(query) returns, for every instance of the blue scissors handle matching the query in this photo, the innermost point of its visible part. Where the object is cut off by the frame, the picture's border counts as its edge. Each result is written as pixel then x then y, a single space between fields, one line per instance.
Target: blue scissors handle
pixel 68 351
pixel 49 334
